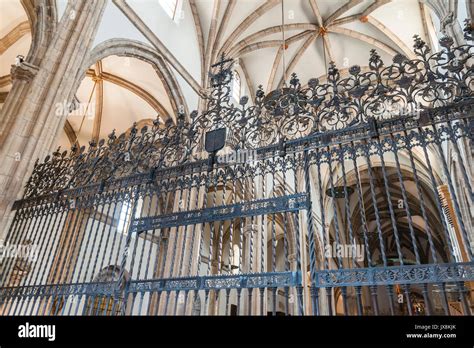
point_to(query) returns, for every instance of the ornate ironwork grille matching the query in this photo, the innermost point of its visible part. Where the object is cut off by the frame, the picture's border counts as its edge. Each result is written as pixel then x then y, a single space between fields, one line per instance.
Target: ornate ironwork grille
pixel 330 198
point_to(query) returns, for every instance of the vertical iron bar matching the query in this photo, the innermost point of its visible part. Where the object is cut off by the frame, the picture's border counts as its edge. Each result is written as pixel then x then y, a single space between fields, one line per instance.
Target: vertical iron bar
pixel 273 236
pixel 424 144
pixel 335 218
pixel 312 252
pixel 360 198
pixel 373 289
pixel 346 204
pixel 299 287
pixel 323 225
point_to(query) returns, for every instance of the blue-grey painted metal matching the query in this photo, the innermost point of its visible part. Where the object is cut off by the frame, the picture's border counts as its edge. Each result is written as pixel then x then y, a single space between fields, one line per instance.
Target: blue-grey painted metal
pixel 413 274
pixel 281 204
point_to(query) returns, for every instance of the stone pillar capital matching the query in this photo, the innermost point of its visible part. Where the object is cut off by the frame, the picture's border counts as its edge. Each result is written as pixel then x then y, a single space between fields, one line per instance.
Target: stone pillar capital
pixel 249 228
pixel 23 71
pixel 447 21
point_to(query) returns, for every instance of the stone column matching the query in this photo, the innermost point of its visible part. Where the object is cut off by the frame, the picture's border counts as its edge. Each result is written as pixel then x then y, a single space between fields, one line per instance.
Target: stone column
pixel 449 24
pixel 43 19
pixel 21 75
pixel 30 113
pixel 293 294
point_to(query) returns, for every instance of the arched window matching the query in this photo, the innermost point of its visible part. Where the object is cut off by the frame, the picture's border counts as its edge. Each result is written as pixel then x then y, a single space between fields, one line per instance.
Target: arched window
pixel 235 259
pixel 171 7
pixel 126 213
pixel 236 86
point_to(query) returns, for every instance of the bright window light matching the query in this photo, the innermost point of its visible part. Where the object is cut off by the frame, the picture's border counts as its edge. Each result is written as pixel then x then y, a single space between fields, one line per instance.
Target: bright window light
pixel 125 214
pixel 236 86
pixel 170 7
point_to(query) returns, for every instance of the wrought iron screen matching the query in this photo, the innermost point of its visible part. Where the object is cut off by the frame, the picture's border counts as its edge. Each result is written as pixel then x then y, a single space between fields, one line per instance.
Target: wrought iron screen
pixel 331 198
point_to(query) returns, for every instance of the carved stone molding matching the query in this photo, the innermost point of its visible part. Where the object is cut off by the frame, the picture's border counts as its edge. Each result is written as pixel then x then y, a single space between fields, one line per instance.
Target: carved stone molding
pixel 448 20
pixel 250 229
pixel 23 71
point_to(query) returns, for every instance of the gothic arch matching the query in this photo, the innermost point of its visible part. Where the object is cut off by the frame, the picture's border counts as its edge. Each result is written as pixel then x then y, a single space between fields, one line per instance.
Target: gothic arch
pixel 420 229
pixel 99 305
pixel 43 20
pixel 143 52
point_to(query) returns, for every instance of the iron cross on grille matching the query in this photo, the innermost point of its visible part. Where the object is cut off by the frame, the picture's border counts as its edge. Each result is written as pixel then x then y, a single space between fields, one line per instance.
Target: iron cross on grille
pixel 223 76
pixel 216 138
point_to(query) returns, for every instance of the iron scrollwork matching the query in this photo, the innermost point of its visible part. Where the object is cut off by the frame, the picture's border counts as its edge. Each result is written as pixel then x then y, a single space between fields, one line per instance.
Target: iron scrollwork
pixel 408 274
pixel 295 111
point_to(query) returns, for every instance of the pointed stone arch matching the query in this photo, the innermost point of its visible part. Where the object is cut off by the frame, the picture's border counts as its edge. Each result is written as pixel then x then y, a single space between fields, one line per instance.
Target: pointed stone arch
pixel 43 20
pixel 144 52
